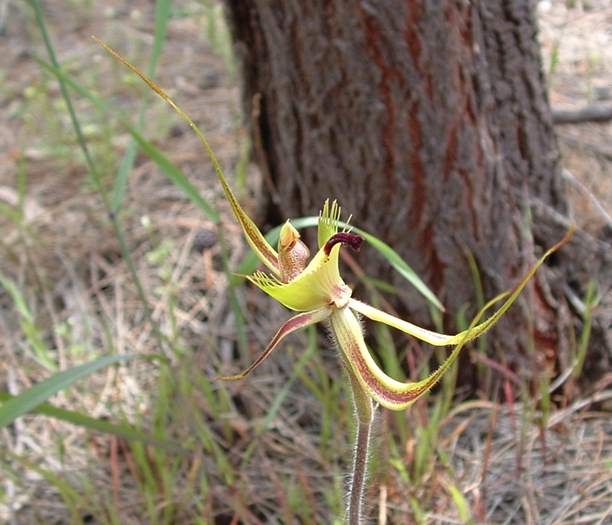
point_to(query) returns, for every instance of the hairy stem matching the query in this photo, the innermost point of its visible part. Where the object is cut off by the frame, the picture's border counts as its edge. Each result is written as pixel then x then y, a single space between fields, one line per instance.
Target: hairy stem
pixel 358 480
pixel 364 412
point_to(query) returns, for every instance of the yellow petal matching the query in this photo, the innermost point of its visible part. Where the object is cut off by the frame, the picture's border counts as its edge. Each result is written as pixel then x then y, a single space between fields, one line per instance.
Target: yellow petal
pixel 318 286
pixel 266 254
pixel 437 339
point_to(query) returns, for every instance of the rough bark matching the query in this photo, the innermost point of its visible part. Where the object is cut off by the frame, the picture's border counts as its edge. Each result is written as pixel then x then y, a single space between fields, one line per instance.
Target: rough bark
pixel 429 121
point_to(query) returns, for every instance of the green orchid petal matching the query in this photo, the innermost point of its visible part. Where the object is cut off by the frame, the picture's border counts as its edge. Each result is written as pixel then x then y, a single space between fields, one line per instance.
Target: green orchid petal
pixel 428 336
pixel 266 254
pixel 318 286
pixel 328 221
pixel 437 339
pixel 297 322
pixel 387 391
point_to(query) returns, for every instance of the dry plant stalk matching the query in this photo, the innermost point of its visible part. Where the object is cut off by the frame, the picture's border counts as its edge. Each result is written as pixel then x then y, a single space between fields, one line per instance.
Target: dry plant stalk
pixel 314 288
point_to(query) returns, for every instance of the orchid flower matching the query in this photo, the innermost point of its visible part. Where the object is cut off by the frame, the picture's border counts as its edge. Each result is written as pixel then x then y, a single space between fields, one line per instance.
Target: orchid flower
pixel 314 289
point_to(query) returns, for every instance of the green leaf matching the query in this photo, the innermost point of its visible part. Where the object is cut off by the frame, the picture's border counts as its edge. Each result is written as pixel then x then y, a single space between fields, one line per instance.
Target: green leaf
pixel 401 267
pixel 90 423
pixel 39 393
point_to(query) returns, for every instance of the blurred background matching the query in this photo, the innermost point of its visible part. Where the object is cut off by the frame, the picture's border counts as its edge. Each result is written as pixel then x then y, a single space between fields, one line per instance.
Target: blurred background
pixel 116 240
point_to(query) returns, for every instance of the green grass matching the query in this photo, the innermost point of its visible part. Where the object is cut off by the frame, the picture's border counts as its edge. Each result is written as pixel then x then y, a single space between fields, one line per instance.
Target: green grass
pixel 155 470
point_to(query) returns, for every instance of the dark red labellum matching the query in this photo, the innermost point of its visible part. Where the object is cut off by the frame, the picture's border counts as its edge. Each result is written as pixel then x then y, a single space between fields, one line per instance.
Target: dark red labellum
pixel 351 239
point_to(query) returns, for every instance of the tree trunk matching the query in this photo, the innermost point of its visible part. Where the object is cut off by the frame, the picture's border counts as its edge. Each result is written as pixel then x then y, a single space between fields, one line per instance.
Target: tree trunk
pixel 429 121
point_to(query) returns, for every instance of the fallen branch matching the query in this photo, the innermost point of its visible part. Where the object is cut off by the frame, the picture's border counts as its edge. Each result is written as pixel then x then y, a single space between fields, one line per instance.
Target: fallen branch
pixel 595 113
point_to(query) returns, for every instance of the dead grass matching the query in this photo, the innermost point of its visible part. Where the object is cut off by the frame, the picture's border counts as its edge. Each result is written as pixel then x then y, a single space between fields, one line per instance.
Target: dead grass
pixel 238 460
pixel 554 473
pixel 577 52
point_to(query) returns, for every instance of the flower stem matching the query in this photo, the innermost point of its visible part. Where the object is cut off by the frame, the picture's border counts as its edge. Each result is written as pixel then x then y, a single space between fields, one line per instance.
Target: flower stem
pixel 358 481
pixel 364 413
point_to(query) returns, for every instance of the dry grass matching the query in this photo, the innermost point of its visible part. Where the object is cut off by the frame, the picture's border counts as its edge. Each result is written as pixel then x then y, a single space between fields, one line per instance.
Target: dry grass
pixel 558 472
pixel 577 51
pixel 264 450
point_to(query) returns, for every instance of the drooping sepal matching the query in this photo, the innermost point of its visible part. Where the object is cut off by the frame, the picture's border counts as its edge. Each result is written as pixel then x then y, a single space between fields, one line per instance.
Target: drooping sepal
pixel 297 322
pixel 390 393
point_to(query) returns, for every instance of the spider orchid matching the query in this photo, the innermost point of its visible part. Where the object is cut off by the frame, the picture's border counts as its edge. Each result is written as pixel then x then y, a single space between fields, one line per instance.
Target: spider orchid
pixel 318 293
pixel 316 290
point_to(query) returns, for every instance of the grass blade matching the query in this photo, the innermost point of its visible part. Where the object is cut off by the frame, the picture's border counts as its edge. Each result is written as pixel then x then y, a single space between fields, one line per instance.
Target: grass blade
pixel 401 266
pixel 162 14
pixel 39 393
pixel 590 302
pixel 173 173
pixel 28 324
pixel 280 398
pixel 91 423
pixel 171 170
pixel 239 315
pixel 463 508
pixel 95 175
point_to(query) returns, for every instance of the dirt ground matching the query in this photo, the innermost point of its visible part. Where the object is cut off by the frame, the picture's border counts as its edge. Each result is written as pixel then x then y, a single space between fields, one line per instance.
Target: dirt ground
pixel 62 254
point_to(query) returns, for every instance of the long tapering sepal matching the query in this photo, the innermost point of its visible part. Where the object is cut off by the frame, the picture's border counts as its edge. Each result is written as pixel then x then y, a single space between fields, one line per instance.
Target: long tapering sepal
pixel 437 339
pixel 390 393
pixel 266 254
pixel 297 322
